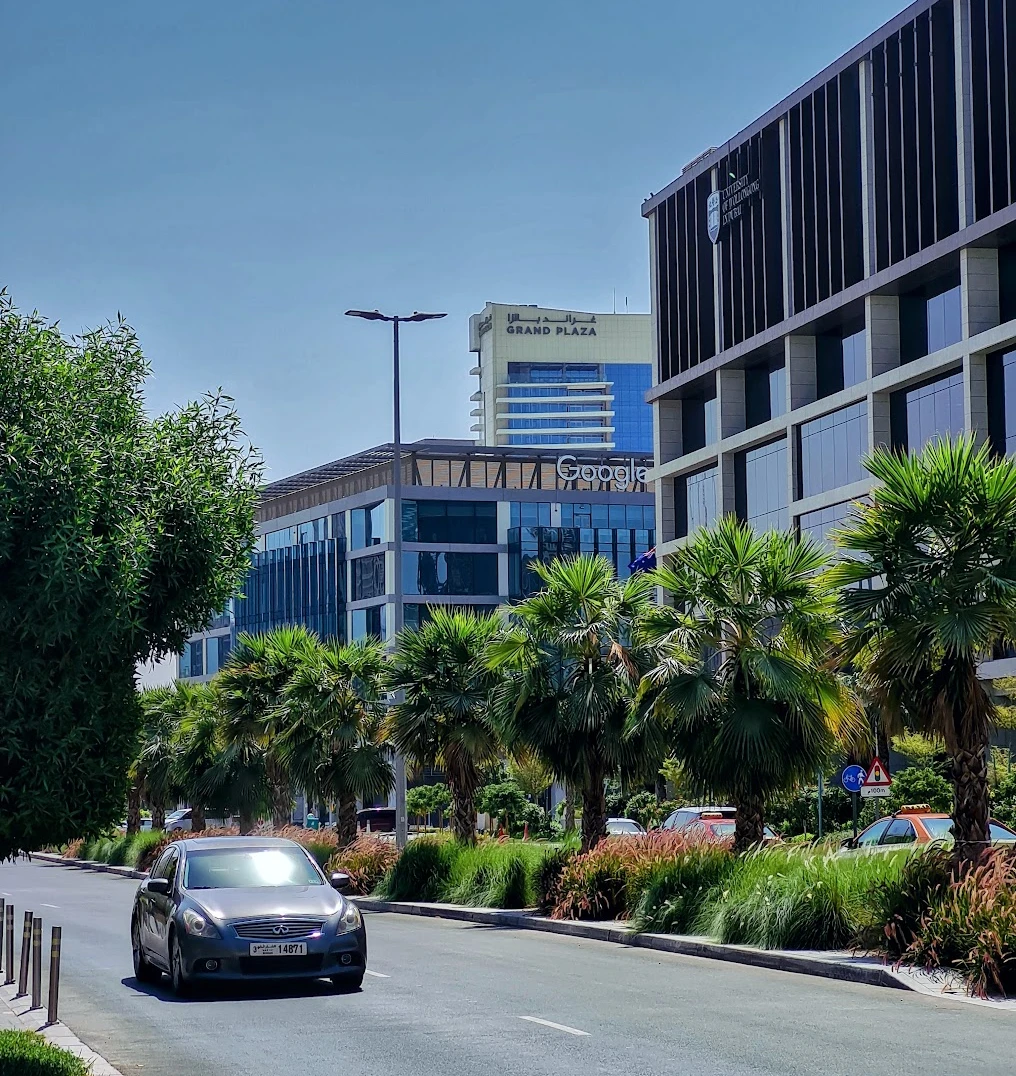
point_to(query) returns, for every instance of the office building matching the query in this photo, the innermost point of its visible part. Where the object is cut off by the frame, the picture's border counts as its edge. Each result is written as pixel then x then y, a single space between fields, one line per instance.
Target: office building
pixel 562 379
pixel 839 275
pixel 473 520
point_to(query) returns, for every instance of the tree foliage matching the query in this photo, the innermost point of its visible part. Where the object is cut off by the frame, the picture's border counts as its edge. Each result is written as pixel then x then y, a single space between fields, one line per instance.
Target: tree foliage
pixel 119 535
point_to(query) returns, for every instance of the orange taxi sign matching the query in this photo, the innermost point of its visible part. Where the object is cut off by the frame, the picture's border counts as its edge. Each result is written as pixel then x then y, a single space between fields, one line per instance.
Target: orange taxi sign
pixel 877 782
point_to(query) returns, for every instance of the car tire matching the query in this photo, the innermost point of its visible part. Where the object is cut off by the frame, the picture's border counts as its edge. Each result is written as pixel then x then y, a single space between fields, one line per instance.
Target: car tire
pixel 181 984
pixel 344 984
pixel 144 971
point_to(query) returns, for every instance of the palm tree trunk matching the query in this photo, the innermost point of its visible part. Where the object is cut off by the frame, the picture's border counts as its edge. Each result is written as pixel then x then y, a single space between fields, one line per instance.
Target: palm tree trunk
pixel 749 823
pixel 462 783
pixel 972 713
pixel 246 820
pixel 347 819
pixel 158 816
pixel 197 818
pixel 569 808
pixel 594 811
pixel 133 809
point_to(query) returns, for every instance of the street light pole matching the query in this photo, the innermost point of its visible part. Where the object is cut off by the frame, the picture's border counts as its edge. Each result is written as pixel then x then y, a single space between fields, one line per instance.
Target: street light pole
pixel 401 819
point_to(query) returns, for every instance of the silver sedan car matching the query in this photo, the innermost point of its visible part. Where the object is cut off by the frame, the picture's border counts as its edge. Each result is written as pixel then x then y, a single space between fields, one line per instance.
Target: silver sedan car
pixel 245 908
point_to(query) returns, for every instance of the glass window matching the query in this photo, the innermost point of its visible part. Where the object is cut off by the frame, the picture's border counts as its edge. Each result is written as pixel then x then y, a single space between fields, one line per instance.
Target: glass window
pixel 450 573
pixel 367 526
pixel 831 450
pixel 927 412
pixel 183 663
pixel 368 577
pixel 695 498
pixel 945 319
pixel 822 522
pixel 316 530
pixel 930 319
pixel 698 421
pixel 197 657
pixel 244 869
pixel 450 521
pixel 840 360
pixel 166 867
pixel 1002 402
pixel 279 539
pixel 368 623
pixel 765 392
pixel 633 417
pixel 939 829
pixel 872 834
pixel 760 486
pixel 1000 833
pixel 900 831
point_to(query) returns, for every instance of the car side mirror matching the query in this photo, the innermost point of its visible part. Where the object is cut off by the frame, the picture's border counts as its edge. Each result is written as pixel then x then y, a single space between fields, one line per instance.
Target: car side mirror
pixel 340 881
pixel 850 842
pixel 158 885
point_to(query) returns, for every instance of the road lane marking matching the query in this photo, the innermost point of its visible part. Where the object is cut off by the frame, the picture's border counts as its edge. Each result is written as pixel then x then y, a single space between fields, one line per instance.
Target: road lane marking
pixel 49 905
pixel 376 974
pixel 557 1027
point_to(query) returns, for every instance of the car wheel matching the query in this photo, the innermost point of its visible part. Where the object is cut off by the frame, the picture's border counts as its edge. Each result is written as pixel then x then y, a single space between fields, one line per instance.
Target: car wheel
pixel 181 984
pixel 346 984
pixel 144 972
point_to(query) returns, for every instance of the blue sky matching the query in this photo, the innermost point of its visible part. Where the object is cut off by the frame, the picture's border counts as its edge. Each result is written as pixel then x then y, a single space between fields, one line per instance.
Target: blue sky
pixel 233 175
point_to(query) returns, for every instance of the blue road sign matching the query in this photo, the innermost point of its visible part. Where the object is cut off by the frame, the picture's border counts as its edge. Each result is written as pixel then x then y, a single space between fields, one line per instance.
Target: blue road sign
pixel 852 778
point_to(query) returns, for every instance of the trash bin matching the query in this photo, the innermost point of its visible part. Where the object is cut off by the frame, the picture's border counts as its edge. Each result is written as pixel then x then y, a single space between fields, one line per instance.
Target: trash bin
pixel 313 822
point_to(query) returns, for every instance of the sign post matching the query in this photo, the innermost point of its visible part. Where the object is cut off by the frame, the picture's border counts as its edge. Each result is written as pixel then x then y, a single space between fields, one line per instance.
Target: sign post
pixel 852 778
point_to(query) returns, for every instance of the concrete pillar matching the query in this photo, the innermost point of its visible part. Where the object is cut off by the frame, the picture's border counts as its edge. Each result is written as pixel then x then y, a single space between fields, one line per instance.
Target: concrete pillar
pixel 667 431
pixel 979 289
pixel 879 432
pixel 728 500
pixel 802 378
pixel 666 516
pixel 975 396
pixel 882 336
pixel 730 401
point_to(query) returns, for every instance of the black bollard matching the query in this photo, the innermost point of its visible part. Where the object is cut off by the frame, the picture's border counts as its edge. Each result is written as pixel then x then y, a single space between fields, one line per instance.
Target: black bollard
pixel 26 952
pixel 56 938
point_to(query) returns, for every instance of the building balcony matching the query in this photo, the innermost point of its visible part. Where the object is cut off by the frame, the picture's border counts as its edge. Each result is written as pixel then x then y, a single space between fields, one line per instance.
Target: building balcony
pixel 477 397
pixel 475 371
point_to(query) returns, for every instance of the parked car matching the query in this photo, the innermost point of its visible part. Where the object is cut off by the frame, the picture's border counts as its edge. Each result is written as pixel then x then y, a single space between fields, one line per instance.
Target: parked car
pixel 146 824
pixel 915 824
pixel 242 908
pixel 378 819
pixel 684 816
pixel 715 828
pixel 623 827
pixel 181 821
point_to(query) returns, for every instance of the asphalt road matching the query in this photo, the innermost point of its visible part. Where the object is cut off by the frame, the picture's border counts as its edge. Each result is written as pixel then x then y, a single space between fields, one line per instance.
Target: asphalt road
pixel 462 1000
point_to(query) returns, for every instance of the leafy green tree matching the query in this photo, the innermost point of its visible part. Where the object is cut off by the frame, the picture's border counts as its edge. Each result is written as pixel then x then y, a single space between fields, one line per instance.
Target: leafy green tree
pixel 252 698
pixel 920 750
pixel 507 804
pixel 445 719
pixel 120 533
pixel 569 667
pixel 938 545
pixel 425 800
pixel 920 784
pixel 530 773
pixel 152 768
pixel 332 743
pixel 742 682
pixel 198 749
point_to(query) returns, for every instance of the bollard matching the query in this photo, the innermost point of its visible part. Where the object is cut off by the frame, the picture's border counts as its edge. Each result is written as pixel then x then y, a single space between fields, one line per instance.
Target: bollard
pixel 56 937
pixel 26 952
pixel 36 963
pixel 10 945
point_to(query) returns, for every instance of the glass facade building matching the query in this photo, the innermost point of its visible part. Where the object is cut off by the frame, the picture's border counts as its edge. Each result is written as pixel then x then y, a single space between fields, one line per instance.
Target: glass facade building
pixel 473 519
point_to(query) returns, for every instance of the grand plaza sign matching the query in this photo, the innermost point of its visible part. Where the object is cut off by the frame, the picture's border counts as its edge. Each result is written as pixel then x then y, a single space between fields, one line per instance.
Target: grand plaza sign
pixel 626 476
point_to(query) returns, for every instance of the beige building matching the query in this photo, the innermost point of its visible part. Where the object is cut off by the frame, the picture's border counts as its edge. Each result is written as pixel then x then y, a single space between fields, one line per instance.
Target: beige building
pixel 562 378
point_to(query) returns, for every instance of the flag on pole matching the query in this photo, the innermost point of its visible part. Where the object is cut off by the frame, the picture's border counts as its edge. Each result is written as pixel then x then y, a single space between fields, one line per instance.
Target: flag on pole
pixel 644 563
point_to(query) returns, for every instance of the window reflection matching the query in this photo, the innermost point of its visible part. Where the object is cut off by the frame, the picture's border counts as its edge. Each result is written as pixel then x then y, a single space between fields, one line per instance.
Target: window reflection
pixel 927 412
pixel 831 450
pixel 760 486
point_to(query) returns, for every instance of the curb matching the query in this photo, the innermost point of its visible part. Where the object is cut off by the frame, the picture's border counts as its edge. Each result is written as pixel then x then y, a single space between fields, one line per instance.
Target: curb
pixel 84 864
pixel 863 970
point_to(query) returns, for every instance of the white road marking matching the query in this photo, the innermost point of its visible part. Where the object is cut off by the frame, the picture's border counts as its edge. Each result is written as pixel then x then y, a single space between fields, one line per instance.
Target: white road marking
pixel 376 974
pixel 557 1027
pixel 49 905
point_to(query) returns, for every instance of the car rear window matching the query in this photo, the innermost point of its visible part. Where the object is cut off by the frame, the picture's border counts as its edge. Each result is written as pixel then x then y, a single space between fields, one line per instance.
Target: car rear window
pixel 249 868
pixel 939 828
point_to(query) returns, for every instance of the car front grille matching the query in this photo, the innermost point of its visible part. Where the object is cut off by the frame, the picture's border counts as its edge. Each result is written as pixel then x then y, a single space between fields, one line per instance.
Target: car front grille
pixel 280 965
pixel 281 928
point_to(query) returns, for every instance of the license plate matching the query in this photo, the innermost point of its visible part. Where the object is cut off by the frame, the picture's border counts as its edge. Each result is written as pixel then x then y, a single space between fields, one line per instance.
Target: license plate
pixel 278 948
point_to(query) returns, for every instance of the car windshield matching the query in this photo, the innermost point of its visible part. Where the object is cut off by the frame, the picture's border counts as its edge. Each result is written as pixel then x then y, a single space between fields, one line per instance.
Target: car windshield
pixel 249 868
pixel 174 815
pixel 940 829
pixel 1001 833
pixel 623 825
pixel 726 829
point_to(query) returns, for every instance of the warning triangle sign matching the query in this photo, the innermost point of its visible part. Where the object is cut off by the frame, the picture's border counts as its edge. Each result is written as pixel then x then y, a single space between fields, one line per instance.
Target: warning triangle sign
pixel 878 776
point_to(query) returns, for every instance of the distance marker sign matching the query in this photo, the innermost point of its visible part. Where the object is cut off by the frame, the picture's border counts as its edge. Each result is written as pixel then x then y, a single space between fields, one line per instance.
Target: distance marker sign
pixel 877 782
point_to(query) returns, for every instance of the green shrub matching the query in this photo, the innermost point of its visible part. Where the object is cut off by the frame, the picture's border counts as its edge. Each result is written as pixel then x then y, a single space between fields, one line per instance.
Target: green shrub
pixel 921 785
pixel 140 844
pixel 899 904
pixel 102 849
pixel 367 860
pixel 422 872
pixel 548 876
pixel 118 851
pixel 496 875
pixel 675 891
pixel 796 898
pixel 23 1053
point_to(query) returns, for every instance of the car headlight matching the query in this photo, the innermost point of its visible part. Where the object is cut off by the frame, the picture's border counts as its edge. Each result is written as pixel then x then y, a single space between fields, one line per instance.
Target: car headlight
pixel 195 923
pixel 350 919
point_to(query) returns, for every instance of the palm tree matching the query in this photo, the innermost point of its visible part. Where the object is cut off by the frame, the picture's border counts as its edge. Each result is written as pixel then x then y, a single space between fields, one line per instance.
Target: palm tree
pixel 251 689
pixel 333 744
pixel 152 768
pixel 198 747
pixel 743 681
pixel 570 665
pixel 938 545
pixel 445 718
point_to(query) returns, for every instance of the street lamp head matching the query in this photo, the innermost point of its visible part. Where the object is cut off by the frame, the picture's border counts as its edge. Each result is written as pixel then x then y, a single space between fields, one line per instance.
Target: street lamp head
pixel 417 316
pixel 369 315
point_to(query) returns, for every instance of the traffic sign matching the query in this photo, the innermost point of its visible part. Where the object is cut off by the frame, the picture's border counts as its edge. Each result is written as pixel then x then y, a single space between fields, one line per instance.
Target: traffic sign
pixel 852 778
pixel 877 782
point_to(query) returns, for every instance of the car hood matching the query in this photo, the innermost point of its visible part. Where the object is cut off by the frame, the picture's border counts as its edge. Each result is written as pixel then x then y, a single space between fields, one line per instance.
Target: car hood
pixel 224 904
